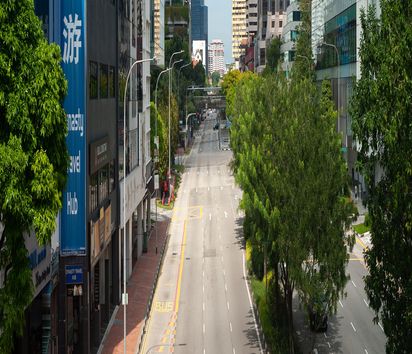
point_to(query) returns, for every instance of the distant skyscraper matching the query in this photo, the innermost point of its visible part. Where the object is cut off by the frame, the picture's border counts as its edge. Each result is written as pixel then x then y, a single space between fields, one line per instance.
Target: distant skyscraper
pixel 158 25
pixel 238 28
pixel 199 23
pixel 217 57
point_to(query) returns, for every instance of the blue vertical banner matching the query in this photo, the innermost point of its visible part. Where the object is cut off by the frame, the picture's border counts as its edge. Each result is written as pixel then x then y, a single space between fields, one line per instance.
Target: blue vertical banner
pixel 73 48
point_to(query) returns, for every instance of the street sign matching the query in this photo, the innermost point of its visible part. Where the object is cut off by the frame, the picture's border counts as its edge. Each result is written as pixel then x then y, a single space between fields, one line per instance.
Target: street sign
pixel 74 274
pixel 156 181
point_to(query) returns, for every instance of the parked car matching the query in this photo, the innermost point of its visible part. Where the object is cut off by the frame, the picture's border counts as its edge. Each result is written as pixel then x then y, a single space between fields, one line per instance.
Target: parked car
pixel 318 313
pixel 216 126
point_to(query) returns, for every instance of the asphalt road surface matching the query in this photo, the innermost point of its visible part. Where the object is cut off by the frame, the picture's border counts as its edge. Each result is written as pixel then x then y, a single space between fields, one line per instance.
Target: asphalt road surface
pixel 352 329
pixel 202 304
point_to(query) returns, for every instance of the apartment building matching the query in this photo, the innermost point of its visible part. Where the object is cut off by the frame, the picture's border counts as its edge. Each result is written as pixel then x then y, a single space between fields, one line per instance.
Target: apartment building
pixel 216 51
pixel 238 29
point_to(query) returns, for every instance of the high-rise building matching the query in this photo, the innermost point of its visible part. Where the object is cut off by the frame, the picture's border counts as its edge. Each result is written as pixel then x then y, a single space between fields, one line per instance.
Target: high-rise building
pixel 216 51
pixel 158 31
pixel 199 28
pixel 336 35
pixel 271 20
pixel 238 28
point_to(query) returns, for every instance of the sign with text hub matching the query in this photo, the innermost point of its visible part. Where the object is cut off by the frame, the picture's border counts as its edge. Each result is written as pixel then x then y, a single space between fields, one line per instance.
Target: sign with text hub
pixel 73 46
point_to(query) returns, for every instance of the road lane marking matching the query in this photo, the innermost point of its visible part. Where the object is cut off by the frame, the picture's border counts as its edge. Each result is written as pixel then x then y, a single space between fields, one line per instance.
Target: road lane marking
pixel 230 324
pixel 381 327
pixel 210 216
pixel 203 274
pixel 366 352
pixel 204 328
pixel 221 188
pixel 224 273
pixel 163 306
pixel 203 288
pixel 203 307
pixel 329 345
pixel 250 302
pixel 204 351
pixel 179 280
pixel 360 242
pixel 325 335
pixel 208 189
pixel 225 214
pixel 225 287
pixel 353 283
pixel 367 305
pixel 353 326
pixel 227 304
pixel 340 303
pixel 234 351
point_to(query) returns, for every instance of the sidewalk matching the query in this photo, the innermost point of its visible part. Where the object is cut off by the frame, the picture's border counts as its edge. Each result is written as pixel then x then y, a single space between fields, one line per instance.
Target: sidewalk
pixel 140 289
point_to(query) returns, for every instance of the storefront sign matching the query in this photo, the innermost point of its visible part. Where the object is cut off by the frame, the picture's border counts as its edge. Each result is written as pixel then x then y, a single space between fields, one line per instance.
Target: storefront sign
pixel 100 232
pixel 74 274
pixel 73 46
pixel 107 224
pixel 99 154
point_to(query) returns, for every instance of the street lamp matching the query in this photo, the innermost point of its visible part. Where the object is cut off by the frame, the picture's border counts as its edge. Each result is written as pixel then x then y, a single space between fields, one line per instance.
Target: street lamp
pixel 164 345
pixel 170 89
pixel 304 57
pixel 178 76
pixel 337 56
pixel 124 295
pixel 157 138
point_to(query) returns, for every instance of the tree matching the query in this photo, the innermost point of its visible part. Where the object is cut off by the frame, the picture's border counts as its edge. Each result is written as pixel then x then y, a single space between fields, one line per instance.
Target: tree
pixel 381 111
pixel 215 78
pixel 273 56
pixel 33 154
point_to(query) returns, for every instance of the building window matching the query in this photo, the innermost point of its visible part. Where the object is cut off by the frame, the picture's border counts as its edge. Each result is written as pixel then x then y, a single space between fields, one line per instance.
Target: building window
pixel 93 200
pixel 111 82
pixel 280 24
pixel 103 183
pixel 273 24
pixel 93 79
pixel 103 80
pixel 111 176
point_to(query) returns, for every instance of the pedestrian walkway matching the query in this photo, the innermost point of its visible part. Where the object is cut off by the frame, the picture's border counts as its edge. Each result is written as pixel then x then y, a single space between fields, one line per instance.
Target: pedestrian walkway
pixel 140 289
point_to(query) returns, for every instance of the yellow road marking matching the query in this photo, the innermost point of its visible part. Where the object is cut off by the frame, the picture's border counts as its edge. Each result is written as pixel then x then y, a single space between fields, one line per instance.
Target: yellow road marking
pixel 161 349
pixel 179 280
pixel 164 340
pixel 163 306
pixel 360 242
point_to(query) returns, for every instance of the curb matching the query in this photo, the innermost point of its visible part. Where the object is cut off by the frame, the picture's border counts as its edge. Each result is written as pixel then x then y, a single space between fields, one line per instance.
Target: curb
pixel 150 301
pixel 257 316
pixel 109 327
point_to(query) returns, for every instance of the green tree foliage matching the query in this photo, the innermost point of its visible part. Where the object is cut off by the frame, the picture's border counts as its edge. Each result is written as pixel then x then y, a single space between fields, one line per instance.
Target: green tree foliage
pixel 159 127
pixel 272 56
pixel 215 78
pixel 33 155
pixel 381 110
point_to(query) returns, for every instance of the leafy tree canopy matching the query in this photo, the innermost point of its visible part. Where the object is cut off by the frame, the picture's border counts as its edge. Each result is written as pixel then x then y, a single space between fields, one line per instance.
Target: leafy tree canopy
pixel 381 111
pixel 33 154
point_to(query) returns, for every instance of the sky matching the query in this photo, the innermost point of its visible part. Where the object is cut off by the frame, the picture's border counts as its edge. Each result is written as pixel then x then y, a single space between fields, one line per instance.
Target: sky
pixel 220 24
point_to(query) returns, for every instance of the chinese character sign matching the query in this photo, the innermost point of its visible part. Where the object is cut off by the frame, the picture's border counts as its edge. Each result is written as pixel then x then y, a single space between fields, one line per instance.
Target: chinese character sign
pixel 73 224
pixel 72 41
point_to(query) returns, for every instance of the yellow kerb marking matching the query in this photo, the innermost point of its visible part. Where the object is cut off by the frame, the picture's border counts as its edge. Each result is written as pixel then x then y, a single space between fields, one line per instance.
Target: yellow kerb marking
pixel 179 280
pixel 360 242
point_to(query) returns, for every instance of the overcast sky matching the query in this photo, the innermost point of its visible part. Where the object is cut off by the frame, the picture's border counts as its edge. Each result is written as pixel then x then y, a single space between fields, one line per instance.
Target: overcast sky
pixel 220 24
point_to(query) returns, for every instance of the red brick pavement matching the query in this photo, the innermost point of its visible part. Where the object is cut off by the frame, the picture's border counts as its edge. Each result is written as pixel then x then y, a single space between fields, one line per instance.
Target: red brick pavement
pixel 139 288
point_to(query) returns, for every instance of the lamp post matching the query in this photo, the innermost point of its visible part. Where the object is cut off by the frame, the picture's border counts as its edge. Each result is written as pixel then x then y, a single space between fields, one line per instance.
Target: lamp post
pixel 170 89
pixel 157 139
pixel 178 77
pixel 164 345
pixel 338 62
pixel 304 57
pixel 124 295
